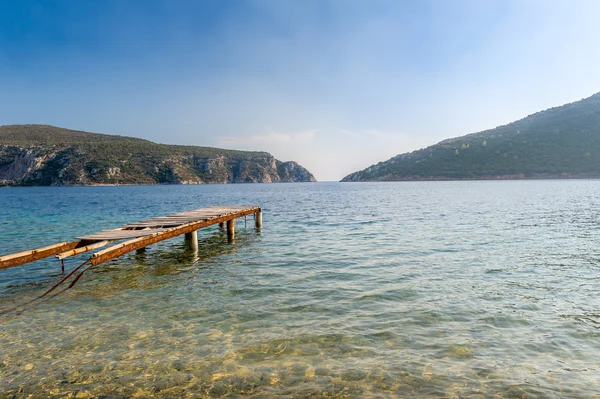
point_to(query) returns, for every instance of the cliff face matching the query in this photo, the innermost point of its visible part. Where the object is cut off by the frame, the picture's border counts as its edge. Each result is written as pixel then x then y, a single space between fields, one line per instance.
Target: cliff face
pixel 74 159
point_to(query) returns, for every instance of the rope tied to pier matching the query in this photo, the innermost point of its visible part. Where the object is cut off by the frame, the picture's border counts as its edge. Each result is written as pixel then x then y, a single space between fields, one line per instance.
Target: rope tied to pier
pixel 28 304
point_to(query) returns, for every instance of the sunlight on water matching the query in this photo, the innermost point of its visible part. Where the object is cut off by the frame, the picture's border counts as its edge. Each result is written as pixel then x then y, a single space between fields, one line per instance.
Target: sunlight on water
pixel 429 289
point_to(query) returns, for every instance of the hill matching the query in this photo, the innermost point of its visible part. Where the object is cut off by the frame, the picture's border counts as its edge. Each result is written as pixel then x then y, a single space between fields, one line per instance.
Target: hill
pixel 47 155
pixel 561 142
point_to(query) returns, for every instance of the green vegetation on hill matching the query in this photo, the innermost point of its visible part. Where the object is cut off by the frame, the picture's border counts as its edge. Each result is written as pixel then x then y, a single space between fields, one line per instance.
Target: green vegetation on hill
pixel 44 135
pixel 560 142
pixel 48 155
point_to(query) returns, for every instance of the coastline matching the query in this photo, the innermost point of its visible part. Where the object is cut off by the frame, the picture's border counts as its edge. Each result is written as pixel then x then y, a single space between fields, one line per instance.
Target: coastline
pixel 520 176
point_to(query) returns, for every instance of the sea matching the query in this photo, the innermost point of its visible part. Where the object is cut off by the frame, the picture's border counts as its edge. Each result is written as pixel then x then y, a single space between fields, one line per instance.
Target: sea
pixel 483 289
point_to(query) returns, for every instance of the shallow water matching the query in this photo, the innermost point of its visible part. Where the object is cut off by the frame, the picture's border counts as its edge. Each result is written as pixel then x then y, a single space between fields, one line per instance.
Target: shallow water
pixel 421 289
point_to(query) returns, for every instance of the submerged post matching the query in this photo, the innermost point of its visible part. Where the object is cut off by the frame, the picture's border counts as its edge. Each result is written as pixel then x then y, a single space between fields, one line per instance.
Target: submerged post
pixel 191 240
pixel 258 219
pixel 230 230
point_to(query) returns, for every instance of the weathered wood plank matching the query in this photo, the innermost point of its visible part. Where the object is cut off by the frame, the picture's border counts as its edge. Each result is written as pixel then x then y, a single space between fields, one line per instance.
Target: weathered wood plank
pixel 81 250
pixel 155 226
pixel 21 258
pixel 179 218
pixel 118 234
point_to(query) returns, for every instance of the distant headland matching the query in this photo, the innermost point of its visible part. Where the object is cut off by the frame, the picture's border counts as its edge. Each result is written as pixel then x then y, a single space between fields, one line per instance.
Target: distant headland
pixel 561 142
pixel 42 155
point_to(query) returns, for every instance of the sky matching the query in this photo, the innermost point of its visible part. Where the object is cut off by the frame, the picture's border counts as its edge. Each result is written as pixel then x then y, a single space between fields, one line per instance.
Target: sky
pixel 334 85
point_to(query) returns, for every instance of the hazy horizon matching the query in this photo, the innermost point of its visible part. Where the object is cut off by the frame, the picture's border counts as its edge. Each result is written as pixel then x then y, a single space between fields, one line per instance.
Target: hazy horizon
pixel 335 86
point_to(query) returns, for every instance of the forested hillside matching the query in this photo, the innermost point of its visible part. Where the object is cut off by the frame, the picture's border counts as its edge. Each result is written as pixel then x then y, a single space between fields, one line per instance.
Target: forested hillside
pixel 561 142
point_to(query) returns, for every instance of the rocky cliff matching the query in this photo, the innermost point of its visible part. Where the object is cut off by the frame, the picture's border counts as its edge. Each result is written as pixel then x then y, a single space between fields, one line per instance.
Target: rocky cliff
pixel 46 155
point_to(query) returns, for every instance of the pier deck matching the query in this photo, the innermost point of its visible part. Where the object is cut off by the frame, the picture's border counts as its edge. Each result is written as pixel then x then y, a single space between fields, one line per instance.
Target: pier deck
pixel 139 235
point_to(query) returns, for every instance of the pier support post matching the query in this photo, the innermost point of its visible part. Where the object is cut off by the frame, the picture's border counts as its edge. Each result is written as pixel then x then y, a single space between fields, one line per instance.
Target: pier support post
pixel 222 226
pixel 258 220
pixel 191 240
pixel 231 230
pixel 141 250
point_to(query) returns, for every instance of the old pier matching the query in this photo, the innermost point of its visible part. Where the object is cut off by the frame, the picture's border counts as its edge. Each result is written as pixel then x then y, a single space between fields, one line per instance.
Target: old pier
pixel 137 236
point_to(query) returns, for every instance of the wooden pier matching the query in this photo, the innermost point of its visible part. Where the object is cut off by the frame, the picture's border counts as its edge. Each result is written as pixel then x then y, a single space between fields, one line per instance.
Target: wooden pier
pixel 139 235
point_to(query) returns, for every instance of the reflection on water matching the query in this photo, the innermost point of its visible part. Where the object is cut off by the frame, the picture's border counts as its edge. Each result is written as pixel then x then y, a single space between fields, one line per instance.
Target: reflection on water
pixel 465 289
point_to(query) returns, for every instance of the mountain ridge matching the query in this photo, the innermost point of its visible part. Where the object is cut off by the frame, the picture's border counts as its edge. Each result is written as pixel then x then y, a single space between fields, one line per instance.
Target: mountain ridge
pixel 42 155
pixel 559 142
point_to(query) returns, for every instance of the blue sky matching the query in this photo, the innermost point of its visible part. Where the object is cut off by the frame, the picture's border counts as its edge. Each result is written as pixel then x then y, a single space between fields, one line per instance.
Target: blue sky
pixel 334 85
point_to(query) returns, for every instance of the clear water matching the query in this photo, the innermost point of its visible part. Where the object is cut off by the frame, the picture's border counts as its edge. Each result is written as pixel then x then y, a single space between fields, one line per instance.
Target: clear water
pixel 422 289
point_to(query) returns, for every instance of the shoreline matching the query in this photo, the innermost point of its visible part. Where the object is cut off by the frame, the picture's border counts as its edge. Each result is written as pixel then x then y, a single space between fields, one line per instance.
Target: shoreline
pixel 563 176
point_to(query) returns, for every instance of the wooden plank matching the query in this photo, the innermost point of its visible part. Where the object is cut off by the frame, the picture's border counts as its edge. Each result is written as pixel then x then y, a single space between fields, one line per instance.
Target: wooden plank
pixel 81 250
pixel 141 242
pixel 163 221
pixel 29 252
pixel 155 226
pixel 220 208
pixel 191 216
pixel 200 212
pixel 171 217
pixel 176 219
pixel 171 220
pixel 118 234
pixel 21 258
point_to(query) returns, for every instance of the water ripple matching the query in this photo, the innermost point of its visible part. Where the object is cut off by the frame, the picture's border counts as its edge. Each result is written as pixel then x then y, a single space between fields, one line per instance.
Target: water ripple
pixel 425 289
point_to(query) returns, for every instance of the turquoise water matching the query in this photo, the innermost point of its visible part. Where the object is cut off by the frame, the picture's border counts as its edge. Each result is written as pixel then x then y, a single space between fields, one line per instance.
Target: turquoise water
pixel 417 289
